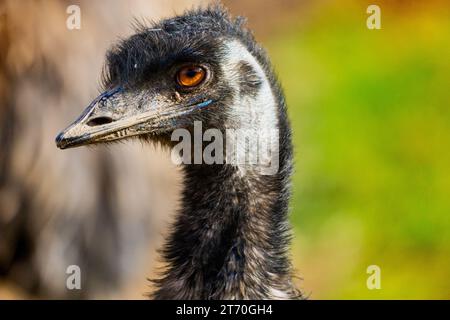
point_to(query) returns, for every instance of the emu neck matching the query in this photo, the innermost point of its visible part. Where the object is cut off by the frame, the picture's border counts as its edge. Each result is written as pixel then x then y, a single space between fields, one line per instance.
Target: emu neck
pixel 230 239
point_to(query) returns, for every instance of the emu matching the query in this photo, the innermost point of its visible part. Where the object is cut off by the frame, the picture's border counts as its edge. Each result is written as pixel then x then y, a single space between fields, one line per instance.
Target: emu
pixel 232 235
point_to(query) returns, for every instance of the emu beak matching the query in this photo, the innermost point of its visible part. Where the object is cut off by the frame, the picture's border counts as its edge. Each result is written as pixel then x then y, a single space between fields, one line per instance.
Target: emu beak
pixel 117 114
pixel 111 116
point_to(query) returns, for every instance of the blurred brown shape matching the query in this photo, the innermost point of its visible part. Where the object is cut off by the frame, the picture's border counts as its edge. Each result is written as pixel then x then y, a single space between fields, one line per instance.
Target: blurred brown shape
pixel 280 14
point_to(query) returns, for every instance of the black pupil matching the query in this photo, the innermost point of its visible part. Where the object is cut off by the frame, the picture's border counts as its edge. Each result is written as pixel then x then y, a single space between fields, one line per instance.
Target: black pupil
pixel 191 73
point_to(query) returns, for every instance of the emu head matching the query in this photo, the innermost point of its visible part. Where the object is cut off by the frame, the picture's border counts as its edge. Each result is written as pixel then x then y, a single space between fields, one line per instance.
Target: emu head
pixel 201 66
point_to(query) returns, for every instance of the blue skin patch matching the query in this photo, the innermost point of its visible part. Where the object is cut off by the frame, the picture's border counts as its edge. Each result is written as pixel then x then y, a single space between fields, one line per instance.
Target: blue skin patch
pixel 198 106
pixel 204 104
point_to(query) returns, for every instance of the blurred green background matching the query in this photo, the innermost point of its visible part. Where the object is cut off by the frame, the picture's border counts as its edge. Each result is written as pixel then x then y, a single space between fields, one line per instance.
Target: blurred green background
pixel 371 120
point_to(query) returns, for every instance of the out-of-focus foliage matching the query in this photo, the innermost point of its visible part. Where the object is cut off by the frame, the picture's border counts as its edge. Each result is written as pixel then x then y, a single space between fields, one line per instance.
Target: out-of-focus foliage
pixel 370 111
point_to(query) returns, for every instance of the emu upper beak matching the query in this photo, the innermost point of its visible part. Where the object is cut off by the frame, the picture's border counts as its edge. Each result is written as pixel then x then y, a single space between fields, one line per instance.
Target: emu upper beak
pixel 117 114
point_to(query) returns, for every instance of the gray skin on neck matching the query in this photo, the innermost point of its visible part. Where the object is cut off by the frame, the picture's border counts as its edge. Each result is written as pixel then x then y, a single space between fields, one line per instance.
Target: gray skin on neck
pixel 231 238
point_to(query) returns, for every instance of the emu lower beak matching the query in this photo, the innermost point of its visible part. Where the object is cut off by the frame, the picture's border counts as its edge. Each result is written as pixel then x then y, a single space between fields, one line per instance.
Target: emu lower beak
pixel 102 122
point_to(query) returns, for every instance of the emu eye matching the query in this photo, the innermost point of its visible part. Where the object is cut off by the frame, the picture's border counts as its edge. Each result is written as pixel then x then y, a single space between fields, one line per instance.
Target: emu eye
pixel 191 76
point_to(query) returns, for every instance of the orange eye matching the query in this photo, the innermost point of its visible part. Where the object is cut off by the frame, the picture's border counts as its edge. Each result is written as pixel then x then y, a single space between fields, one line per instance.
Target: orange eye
pixel 191 76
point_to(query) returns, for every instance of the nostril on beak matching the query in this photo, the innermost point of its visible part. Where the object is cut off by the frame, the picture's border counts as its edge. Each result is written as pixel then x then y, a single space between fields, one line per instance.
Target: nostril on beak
pixel 99 121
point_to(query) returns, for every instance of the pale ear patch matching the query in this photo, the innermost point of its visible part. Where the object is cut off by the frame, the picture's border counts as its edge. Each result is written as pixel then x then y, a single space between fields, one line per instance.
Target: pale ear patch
pixel 254 108
pixel 257 111
pixel 249 81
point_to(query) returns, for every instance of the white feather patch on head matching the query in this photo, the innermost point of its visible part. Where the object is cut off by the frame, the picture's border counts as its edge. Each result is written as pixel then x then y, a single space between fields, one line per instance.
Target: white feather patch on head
pixel 254 113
